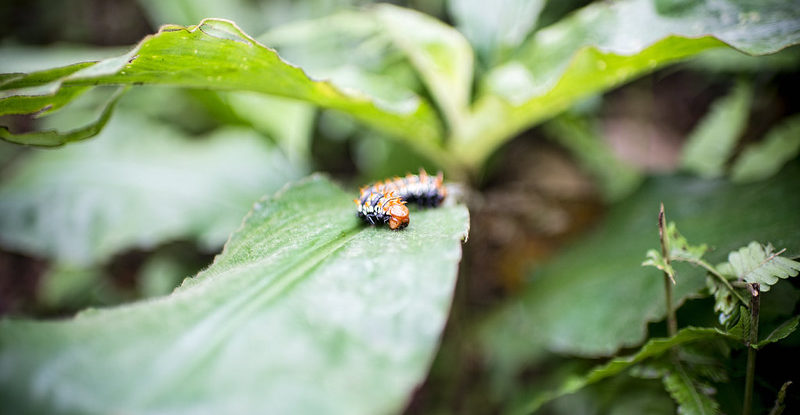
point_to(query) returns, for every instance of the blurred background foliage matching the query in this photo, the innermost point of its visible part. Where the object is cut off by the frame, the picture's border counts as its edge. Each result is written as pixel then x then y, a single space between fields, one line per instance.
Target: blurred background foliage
pixel 561 214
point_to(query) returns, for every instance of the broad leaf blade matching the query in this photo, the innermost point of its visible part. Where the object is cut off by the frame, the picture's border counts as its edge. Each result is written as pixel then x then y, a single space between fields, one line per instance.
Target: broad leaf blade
pixel 604 45
pixel 53 138
pixel 141 185
pixel 759 161
pixel 307 310
pixel 440 53
pixel 688 393
pixel 653 348
pixel 713 140
pixel 216 54
pixel 497 29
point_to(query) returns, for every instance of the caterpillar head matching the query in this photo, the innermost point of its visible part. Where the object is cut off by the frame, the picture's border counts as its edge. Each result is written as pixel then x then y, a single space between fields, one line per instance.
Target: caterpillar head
pixel 398 215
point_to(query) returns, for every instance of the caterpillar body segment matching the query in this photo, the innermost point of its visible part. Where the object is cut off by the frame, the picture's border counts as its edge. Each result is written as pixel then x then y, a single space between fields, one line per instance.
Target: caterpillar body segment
pixel 385 201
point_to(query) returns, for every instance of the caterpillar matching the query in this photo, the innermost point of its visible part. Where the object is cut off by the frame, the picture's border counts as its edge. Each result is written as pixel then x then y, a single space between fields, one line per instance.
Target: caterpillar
pixel 384 201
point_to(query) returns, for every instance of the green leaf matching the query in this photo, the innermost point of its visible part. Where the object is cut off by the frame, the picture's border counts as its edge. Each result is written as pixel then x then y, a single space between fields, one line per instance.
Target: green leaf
pixel 440 53
pixel 160 274
pixel 52 138
pixel 141 185
pixel 29 104
pixel 779 406
pixel 595 297
pixel 730 61
pixel 740 324
pixel 617 179
pixel 756 263
pixel 653 348
pixel 216 54
pixel 680 249
pixel 712 141
pixel 689 393
pixel 307 310
pixel 761 160
pixel 67 286
pixel 655 259
pixel 288 122
pixel 606 44
pixel 725 301
pixel 781 332
pixel 495 30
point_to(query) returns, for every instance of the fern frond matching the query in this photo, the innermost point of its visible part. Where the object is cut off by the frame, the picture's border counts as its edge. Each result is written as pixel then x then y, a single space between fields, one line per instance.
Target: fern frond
pixel 693 397
pixel 756 263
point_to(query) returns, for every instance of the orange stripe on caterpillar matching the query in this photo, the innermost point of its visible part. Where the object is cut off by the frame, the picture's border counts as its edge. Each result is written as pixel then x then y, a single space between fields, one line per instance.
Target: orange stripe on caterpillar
pixel 384 201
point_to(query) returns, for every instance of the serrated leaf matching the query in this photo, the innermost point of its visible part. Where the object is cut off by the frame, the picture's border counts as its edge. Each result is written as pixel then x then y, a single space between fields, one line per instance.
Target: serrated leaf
pixel 442 56
pixel 756 263
pixel 606 44
pixel 653 348
pixel 307 310
pixel 712 141
pixel 761 160
pixel 215 54
pixel 781 332
pixel 595 297
pixel 142 184
pixel 689 393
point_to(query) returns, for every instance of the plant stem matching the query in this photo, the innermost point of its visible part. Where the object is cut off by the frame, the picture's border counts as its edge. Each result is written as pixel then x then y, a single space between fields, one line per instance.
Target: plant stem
pixel 779 406
pixel 755 301
pixel 721 278
pixel 672 321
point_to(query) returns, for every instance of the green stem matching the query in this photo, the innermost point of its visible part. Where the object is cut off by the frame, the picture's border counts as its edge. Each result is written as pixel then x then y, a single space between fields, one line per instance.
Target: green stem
pixel 755 301
pixel 672 320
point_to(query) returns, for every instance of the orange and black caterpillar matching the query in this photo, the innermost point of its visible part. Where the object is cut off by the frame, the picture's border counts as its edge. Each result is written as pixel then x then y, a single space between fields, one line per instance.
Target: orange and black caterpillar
pixel 384 202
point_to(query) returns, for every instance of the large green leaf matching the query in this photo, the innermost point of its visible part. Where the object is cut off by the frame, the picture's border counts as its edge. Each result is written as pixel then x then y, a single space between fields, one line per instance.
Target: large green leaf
pixel 605 44
pixel 216 54
pixel 689 393
pixel 142 184
pixel 497 29
pixel 711 143
pixel 595 297
pixel 307 310
pixel 53 138
pixel 441 54
pixel 351 48
pixel 288 122
pixel 653 348
pixel 765 158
